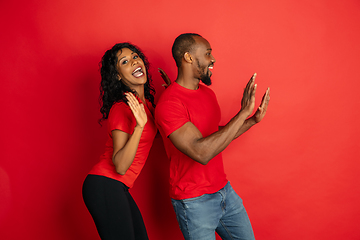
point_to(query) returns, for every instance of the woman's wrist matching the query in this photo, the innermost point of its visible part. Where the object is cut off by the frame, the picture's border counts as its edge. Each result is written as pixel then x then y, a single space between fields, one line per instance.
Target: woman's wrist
pixel 138 127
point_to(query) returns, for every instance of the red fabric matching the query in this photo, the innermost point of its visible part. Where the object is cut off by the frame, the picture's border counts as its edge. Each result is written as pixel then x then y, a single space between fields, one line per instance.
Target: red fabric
pixel 177 106
pixel 121 118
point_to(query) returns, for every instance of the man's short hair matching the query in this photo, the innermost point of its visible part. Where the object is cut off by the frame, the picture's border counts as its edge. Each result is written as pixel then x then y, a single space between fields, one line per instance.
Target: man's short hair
pixel 182 44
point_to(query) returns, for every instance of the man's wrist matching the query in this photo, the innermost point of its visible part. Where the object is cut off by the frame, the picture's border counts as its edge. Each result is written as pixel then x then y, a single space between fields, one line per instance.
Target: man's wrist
pixel 251 121
pixel 243 114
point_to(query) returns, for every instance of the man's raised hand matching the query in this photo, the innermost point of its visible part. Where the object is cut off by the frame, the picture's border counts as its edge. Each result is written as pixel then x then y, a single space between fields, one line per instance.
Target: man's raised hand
pixel 248 99
pixel 261 111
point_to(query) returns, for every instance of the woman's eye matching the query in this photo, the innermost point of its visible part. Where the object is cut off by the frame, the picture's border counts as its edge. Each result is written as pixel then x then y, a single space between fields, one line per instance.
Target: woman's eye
pixel 136 56
pixel 125 62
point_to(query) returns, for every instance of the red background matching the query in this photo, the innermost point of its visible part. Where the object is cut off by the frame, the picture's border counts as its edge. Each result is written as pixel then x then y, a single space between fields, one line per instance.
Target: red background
pixel 297 171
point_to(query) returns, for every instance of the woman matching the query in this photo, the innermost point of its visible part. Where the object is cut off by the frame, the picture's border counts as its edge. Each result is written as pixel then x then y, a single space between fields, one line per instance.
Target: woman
pixel 128 104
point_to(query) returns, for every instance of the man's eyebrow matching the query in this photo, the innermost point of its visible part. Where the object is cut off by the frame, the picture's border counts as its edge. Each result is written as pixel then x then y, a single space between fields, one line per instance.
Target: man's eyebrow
pixel 209 49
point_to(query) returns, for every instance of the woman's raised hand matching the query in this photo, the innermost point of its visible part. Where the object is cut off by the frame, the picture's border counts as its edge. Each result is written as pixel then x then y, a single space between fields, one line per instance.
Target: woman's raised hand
pixel 165 77
pixel 137 109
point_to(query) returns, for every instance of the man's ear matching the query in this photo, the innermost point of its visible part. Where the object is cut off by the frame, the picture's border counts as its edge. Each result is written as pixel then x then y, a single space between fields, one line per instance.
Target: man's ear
pixel 188 57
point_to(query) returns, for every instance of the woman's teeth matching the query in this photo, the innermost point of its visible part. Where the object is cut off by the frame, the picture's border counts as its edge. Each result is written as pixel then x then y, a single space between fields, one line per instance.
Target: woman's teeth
pixel 138 72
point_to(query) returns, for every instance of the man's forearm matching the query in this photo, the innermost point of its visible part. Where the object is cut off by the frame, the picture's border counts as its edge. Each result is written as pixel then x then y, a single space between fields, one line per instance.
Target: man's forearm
pixel 210 146
pixel 248 123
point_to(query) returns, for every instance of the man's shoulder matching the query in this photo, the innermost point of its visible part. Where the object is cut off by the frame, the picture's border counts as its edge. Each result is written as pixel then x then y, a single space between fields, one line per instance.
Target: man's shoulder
pixel 205 88
pixel 169 94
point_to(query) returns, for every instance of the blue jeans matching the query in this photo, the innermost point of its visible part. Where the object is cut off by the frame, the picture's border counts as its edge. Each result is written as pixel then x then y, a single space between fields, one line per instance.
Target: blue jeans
pixel 223 212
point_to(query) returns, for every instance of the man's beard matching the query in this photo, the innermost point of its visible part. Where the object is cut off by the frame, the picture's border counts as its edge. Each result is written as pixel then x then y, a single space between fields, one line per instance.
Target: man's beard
pixel 205 78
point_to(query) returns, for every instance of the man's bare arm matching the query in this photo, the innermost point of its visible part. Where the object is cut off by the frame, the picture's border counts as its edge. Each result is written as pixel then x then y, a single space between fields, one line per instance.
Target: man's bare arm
pixel 189 140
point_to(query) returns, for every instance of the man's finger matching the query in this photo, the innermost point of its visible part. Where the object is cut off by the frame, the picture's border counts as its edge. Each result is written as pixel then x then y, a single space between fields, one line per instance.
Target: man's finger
pixel 249 86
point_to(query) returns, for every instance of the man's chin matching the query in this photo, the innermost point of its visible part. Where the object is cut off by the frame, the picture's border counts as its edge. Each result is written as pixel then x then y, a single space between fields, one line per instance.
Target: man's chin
pixel 206 81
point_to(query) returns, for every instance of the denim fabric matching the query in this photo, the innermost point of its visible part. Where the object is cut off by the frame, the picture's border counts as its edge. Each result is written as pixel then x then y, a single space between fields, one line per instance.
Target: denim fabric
pixel 222 212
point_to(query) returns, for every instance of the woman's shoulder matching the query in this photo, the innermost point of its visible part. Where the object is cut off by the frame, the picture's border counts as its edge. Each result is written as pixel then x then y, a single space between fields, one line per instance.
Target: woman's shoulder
pixel 119 105
pixel 119 108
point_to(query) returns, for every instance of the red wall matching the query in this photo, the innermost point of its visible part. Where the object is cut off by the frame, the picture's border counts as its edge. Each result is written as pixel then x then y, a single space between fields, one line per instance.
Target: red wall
pixel 297 171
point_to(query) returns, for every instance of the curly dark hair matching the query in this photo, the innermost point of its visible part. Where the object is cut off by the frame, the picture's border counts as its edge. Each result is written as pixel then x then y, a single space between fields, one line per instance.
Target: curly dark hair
pixel 111 89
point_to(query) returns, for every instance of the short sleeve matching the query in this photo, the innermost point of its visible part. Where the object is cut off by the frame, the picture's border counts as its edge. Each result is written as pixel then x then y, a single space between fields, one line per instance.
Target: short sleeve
pixel 170 116
pixel 121 118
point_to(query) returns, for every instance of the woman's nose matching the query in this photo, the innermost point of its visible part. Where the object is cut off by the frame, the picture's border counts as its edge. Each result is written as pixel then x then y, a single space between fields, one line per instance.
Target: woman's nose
pixel 135 61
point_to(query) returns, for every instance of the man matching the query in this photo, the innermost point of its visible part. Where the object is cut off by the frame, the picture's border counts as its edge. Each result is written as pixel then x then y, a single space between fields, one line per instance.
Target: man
pixel 188 116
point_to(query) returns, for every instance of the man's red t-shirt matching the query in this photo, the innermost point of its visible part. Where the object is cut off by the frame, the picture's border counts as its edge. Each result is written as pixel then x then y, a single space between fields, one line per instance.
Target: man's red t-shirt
pixel 121 118
pixel 177 106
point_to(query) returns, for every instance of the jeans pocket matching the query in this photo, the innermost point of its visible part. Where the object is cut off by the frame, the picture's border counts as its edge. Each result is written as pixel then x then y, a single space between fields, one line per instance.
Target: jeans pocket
pixel 188 200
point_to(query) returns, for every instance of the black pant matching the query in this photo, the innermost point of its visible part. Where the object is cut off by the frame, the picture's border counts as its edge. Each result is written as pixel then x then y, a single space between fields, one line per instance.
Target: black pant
pixel 114 211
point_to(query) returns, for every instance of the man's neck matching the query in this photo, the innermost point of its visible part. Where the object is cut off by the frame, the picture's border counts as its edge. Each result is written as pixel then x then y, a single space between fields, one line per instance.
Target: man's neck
pixel 187 81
